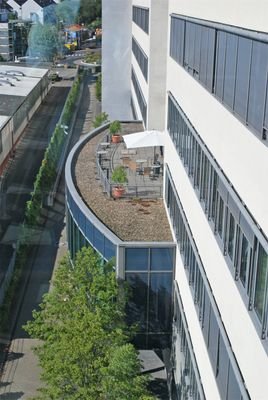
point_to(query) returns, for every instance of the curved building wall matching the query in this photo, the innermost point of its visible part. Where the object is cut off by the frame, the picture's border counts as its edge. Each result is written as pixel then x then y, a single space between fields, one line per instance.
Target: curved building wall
pixel 148 267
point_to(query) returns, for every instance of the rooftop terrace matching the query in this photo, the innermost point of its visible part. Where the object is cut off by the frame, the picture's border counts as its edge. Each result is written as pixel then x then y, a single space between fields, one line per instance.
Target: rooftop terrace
pixel 133 218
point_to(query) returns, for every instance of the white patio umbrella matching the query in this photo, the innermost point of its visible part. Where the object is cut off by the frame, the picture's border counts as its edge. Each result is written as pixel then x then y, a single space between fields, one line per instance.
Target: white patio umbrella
pixel 144 139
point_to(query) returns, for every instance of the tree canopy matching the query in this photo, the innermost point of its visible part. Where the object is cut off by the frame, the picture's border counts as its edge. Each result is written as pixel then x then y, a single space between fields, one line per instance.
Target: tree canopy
pixel 44 41
pixel 81 11
pixel 84 348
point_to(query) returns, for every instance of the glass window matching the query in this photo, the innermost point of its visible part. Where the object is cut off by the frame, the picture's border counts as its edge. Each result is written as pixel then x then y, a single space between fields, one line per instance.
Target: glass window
pixel 98 241
pixel 160 302
pixel 223 367
pixel 260 282
pixel 89 231
pixel 203 55
pixel 233 387
pixel 231 237
pixel 197 48
pixel 230 69
pixel 210 58
pixel 242 76
pixel 220 217
pixel 219 77
pixel 213 341
pixel 206 316
pixel 244 259
pixel 109 249
pixel 136 259
pixel 137 304
pixel 162 259
pixel 258 80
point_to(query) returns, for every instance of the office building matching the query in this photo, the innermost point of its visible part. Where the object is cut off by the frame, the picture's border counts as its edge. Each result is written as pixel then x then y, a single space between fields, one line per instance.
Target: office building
pixel 197 70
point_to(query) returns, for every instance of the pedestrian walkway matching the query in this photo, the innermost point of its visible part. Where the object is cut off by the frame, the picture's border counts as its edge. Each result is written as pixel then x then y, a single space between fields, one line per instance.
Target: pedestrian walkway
pixel 21 375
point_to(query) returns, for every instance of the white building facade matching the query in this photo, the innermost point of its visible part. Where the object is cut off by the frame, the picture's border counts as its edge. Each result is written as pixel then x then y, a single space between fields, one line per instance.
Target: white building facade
pixel 198 71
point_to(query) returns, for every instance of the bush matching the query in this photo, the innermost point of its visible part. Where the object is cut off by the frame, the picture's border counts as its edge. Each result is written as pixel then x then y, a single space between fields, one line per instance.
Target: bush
pixel 100 119
pixel 98 87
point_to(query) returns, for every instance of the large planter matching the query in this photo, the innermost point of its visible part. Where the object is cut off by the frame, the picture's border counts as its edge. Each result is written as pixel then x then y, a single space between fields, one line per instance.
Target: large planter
pixel 118 192
pixel 116 138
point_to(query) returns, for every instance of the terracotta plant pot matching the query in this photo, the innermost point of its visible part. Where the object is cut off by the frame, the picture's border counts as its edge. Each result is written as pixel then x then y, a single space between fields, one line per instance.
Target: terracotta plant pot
pixel 116 138
pixel 118 192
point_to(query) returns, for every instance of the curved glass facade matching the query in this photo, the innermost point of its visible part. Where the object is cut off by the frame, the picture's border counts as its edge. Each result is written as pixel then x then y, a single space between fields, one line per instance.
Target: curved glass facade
pixel 147 267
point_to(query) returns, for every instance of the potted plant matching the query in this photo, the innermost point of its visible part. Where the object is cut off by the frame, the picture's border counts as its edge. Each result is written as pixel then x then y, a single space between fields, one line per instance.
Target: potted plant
pixel 115 128
pixel 119 177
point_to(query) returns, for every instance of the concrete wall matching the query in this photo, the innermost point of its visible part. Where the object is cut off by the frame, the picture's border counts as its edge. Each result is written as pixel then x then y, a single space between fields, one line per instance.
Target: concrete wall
pixel 116 66
pixel 157 64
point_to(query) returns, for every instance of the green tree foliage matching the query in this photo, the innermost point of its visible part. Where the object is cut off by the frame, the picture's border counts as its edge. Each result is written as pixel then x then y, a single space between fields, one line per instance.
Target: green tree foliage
pixel 67 10
pixel 80 322
pixel 101 119
pixel 98 87
pixel 89 11
pixel 44 41
pixel 48 169
pixel 121 379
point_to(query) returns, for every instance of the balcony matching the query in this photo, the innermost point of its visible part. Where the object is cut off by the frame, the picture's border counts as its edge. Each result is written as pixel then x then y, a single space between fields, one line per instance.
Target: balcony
pixel 140 214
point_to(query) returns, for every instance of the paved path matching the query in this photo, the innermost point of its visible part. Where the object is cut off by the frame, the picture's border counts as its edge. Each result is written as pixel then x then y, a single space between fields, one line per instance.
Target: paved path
pixel 21 374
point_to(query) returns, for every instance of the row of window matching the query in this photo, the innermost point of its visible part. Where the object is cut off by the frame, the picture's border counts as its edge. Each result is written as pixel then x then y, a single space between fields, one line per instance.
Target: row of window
pixel 144 259
pixel 221 357
pixel 141 58
pixel 141 17
pixel 244 253
pixel 231 66
pixel 139 95
pixel 186 377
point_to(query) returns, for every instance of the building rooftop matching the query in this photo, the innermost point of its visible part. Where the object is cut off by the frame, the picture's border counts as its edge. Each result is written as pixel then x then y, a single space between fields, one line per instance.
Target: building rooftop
pixel 132 218
pixel 16 82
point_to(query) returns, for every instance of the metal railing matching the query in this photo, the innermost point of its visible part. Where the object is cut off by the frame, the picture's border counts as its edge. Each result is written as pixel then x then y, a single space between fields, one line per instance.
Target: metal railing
pixel 149 191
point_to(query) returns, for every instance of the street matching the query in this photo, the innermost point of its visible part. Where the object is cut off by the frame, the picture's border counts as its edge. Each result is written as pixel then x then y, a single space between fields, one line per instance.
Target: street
pixel 20 373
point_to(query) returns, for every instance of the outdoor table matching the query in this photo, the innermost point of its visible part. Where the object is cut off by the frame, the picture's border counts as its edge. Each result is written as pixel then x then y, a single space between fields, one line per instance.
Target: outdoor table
pixel 141 162
pixel 140 168
pixel 105 144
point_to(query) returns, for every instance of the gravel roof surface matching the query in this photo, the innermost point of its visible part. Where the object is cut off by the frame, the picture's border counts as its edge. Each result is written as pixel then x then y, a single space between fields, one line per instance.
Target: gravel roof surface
pixel 142 220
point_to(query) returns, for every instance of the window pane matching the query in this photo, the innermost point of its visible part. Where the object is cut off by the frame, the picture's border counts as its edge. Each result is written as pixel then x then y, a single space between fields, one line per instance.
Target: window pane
pixel 136 259
pixel 245 255
pixel 233 388
pixel 89 231
pixel 230 69
pixel 162 259
pixel 99 241
pixel 160 302
pixel 197 47
pixel 213 340
pixel 242 77
pixel 220 217
pixel 258 79
pixel 137 304
pixel 203 55
pixel 223 366
pixel 210 58
pixel 260 281
pixel 109 249
pixel 219 79
pixel 231 236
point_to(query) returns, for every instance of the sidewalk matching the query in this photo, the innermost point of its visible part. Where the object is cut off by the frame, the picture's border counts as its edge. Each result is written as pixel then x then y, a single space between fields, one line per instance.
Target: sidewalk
pixel 21 375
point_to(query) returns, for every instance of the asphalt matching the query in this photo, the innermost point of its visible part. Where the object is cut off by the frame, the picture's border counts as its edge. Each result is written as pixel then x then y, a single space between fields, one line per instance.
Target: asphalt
pixel 20 377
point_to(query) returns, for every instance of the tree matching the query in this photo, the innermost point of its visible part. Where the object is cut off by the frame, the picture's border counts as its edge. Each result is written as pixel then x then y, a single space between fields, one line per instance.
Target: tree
pixel 79 322
pixel 44 41
pixel 67 11
pixel 121 379
pixel 89 11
